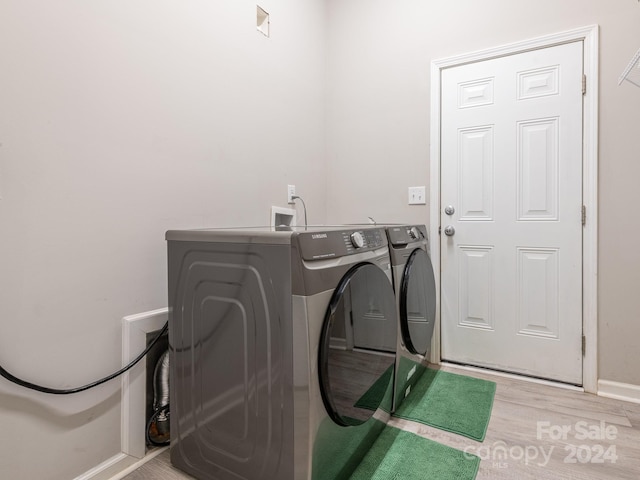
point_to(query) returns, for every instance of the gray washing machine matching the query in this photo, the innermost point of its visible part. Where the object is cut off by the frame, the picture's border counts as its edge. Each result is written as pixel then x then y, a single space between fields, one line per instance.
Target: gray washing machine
pixel 415 289
pixel 275 337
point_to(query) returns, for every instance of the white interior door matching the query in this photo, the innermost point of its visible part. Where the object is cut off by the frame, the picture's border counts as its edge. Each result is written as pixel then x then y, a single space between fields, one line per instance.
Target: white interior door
pixel 511 169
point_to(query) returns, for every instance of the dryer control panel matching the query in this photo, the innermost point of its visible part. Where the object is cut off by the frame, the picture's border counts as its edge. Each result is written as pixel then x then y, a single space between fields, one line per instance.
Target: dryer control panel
pixel 317 245
pixel 401 236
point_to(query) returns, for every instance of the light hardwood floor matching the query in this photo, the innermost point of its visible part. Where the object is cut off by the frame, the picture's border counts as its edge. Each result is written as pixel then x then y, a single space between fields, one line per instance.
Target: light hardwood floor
pixel 536 431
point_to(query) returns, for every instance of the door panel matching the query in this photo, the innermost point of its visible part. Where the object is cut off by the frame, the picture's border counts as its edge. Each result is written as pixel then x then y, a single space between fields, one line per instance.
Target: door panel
pixel 538 292
pixel 538 170
pixel 476 173
pixel 475 284
pixel 511 167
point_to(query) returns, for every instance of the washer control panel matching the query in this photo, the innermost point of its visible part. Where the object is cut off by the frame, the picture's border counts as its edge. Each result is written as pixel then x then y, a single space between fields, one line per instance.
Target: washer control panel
pixel 338 243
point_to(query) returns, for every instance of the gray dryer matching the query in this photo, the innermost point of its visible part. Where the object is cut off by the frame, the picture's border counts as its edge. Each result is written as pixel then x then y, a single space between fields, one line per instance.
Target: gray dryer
pixel 415 289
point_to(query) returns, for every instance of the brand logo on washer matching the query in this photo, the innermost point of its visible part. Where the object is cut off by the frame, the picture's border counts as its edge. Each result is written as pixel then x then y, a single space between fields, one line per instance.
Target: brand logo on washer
pixel 316 236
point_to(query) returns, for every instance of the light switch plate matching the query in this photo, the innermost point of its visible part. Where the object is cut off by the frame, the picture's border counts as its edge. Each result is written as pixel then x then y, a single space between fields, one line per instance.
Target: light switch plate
pixel 417 195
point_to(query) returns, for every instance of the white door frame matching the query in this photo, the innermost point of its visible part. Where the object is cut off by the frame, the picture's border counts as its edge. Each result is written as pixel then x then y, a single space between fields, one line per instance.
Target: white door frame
pixel 589 37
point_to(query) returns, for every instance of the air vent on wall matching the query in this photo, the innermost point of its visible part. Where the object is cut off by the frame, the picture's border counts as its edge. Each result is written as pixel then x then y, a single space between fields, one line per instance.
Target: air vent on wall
pixel 262 21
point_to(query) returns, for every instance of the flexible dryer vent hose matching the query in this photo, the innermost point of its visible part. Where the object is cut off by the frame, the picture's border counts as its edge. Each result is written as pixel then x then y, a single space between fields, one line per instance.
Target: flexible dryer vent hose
pixel 161 393
pixel 158 426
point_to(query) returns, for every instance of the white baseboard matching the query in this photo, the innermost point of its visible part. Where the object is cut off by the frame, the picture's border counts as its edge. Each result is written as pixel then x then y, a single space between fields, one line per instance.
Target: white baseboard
pixel 131 468
pixel 106 465
pixel 134 340
pixel 620 391
pixel 119 466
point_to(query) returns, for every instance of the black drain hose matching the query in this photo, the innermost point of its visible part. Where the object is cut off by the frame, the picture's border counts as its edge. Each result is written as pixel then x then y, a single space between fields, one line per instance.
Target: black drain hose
pixel 67 391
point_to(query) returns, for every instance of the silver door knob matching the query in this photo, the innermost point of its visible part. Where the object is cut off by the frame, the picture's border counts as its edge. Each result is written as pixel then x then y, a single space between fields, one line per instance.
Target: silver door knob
pixel 449 210
pixel 449 231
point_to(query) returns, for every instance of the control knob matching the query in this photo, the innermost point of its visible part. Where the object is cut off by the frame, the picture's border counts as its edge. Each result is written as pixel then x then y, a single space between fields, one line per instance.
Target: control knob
pixel 415 233
pixel 357 240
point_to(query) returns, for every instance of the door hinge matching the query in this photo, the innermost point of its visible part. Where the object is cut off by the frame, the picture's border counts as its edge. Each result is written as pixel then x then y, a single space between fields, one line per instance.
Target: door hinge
pixel 584 84
pixel 584 215
pixel 584 345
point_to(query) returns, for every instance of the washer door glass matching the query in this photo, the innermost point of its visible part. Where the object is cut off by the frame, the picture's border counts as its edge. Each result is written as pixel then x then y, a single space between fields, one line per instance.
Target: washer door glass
pixel 417 303
pixel 358 345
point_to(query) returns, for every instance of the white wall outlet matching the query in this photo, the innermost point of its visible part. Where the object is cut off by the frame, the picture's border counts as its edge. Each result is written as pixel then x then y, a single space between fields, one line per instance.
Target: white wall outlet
pixel 417 195
pixel 291 191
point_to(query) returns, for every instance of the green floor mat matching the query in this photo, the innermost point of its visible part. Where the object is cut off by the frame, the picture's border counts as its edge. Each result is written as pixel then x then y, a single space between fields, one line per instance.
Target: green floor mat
pixel 371 398
pixel 451 402
pixel 400 455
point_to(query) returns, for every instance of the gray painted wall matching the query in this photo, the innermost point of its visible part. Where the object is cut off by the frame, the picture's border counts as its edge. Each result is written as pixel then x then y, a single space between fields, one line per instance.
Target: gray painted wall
pixel 120 120
pixel 378 109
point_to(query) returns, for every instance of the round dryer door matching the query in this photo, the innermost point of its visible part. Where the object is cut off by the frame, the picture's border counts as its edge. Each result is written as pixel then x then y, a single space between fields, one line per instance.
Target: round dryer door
pixel 357 349
pixel 417 303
